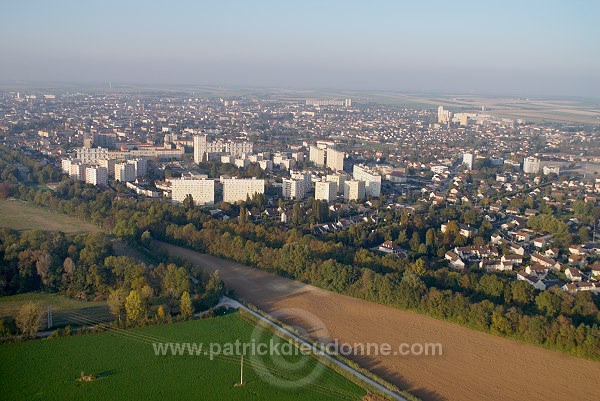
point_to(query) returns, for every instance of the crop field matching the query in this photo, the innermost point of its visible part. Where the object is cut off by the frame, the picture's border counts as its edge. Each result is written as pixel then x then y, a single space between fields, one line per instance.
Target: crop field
pixel 127 368
pixel 65 310
pixel 22 216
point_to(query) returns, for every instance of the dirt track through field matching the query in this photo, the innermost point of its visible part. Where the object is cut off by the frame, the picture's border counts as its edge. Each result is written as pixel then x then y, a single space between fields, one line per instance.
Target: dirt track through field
pixel 474 365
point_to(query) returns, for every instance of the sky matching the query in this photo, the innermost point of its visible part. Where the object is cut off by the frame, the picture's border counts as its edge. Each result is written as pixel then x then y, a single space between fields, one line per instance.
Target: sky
pixel 525 47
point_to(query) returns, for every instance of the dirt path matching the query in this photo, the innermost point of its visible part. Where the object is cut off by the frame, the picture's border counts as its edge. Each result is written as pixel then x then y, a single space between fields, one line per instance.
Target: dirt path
pixel 474 366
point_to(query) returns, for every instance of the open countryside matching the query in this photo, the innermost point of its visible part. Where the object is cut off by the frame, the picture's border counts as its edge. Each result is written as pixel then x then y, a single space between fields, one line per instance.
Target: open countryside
pixel 126 367
pixel 474 366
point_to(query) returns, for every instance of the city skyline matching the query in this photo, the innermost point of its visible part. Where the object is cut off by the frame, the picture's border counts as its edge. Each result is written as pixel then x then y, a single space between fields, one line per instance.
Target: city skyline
pixel 538 48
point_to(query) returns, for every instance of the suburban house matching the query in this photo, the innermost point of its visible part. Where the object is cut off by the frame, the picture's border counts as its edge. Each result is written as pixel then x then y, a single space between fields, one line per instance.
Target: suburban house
pixel 573 274
pixel 390 247
pixel 545 261
pixel 454 261
pixel 533 280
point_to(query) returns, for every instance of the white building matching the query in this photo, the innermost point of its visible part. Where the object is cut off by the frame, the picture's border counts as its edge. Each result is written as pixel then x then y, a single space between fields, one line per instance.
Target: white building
pixel 326 190
pixel 439 169
pixel 354 190
pixel 239 189
pixel 202 191
pixel 339 180
pixel 468 160
pixel 372 180
pixel 531 165
pixel 293 188
pixel 239 148
pixel 109 165
pixel 125 172
pixel 335 160
pixel 92 155
pixel 317 156
pixel 96 175
pixel 551 170
pixel 141 167
pixel 77 171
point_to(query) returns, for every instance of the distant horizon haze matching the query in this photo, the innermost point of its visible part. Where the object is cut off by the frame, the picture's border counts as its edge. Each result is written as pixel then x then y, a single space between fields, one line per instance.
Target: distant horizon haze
pixel 532 48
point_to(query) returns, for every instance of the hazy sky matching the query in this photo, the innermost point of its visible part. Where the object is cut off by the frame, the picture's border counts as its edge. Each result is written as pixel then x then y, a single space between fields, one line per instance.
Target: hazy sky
pixel 519 47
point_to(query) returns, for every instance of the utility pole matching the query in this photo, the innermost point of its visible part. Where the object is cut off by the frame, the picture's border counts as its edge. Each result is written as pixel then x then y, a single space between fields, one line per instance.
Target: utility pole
pixel 49 316
pixel 242 371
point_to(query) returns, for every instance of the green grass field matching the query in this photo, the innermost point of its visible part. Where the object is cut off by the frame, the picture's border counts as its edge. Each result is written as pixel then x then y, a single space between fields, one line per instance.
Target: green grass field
pixel 65 310
pixel 128 369
pixel 22 216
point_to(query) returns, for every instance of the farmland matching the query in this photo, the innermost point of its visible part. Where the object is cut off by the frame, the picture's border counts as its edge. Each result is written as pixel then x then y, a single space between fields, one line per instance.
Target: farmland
pixel 127 368
pixel 65 310
pixel 474 365
pixel 21 215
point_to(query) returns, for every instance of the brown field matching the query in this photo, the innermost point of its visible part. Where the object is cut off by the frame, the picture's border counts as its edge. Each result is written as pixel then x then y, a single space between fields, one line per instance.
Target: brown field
pixel 474 366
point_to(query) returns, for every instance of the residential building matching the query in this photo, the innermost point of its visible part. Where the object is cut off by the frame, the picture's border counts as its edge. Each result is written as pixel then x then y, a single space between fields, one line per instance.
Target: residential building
pixel 335 160
pixel 125 172
pixel 531 165
pixel 96 175
pixel 201 190
pixel 317 156
pixel 326 190
pixel 293 188
pixel 239 189
pixel 354 190
pixel 371 179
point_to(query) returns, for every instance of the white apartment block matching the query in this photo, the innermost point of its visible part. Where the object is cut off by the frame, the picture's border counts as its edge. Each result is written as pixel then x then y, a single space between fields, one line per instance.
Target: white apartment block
pixel 241 163
pixel 531 165
pixel 125 172
pixel 65 165
pixel 335 160
pixel 141 167
pixel 326 190
pixel 202 191
pixel 354 190
pixel 266 165
pixel 91 155
pixel 293 188
pixel 77 171
pixel 372 180
pixel 339 180
pixel 109 165
pixel 239 189
pixel 239 148
pixel 304 176
pixel 317 156
pixel 468 160
pixel 96 175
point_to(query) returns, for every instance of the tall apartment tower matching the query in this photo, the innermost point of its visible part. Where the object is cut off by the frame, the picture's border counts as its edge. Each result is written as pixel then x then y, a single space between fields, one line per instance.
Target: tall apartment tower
pixel 200 147
pixel 531 165
pixel 326 190
pixel 468 160
pixel 372 179
pixel 354 190
pixel 317 156
pixel 335 160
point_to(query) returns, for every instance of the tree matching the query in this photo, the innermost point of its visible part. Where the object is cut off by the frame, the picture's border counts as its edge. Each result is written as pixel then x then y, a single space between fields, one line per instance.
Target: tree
pixel 134 306
pixel 116 302
pixel 185 305
pixel 548 303
pixel 29 319
pixel 188 202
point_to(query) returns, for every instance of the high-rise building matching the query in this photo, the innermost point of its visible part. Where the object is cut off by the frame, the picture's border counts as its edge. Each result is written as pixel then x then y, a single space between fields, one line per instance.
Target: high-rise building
pixel 335 160
pixel 339 180
pixel 531 165
pixel 96 175
pixel 326 190
pixel 109 164
pixel 305 177
pixel 202 191
pixel 239 189
pixel 371 179
pixel 354 190
pixel 239 148
pixel 444 116
pixel 293 188
pixel 77 170
pixel 125 172
pixel 468 160
pixel 317 156
pixel 141 167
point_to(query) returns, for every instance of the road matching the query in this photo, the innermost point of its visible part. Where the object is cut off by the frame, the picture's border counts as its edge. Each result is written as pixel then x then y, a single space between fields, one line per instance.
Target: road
pixel 236 305
pixel 474 365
